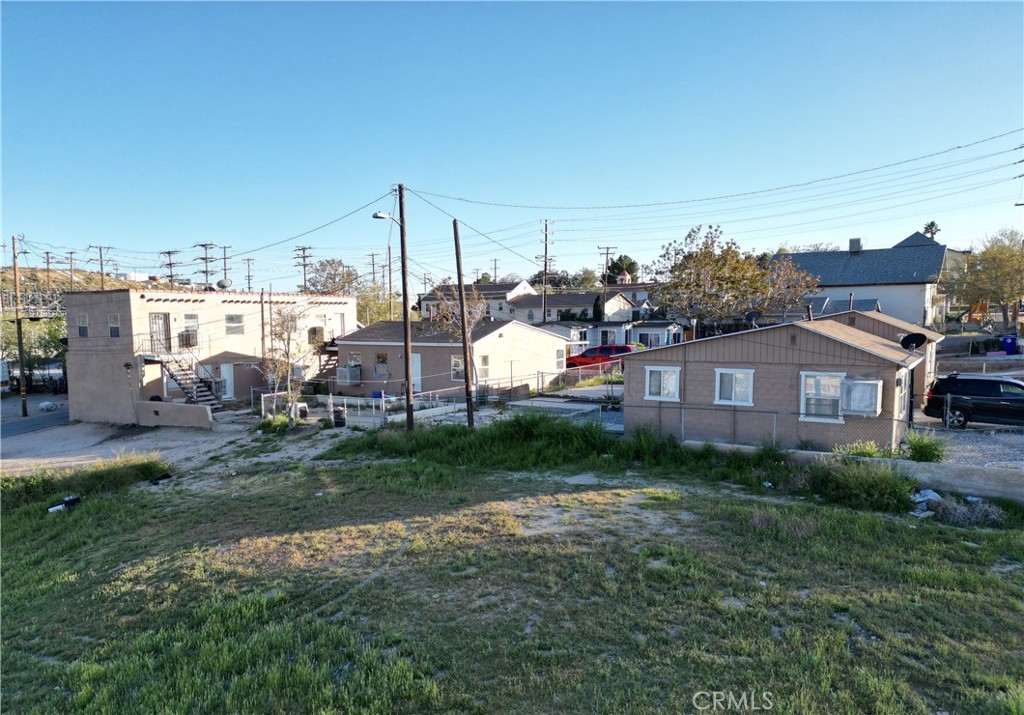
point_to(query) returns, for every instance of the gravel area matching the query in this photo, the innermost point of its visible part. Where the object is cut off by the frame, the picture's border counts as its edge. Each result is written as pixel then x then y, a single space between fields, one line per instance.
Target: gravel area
pixel 984 447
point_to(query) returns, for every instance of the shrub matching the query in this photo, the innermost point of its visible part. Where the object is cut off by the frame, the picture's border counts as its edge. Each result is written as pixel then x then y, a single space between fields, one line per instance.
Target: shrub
pixel 863 485
pixel 275 424
pixel 861 449
pixel 957 513
pixel 926 446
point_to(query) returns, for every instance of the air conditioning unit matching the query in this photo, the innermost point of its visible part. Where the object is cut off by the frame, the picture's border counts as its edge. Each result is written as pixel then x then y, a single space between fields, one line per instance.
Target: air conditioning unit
pixel 188 339
pixel 350 375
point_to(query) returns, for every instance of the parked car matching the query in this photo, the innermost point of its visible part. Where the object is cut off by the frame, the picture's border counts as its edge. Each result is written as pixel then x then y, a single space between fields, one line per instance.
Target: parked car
pixel 959 399
pixel 600 354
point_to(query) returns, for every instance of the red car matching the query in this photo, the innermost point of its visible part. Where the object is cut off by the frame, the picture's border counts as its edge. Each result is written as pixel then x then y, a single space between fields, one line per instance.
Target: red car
pixel 603 353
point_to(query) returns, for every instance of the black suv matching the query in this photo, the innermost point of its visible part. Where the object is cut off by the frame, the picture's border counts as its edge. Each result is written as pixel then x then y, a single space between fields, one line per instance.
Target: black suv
pixel 995 399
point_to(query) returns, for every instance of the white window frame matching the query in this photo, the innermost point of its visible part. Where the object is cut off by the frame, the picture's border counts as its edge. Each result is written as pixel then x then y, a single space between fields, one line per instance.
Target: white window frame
pixel 234 324
pixel 560 359
pixel 458 371
pixel 114 323
pixel 719 372
pixel 380 368
pixel 83 325
pixel 804 417
pixel 871 388
pixel 484 371
pixel 661 369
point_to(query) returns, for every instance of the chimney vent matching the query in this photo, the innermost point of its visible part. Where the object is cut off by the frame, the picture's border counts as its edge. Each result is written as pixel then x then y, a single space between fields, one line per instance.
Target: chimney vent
pixel 855 246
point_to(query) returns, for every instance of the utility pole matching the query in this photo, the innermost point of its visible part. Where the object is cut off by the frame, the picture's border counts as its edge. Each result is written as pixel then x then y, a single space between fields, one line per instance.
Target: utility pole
pixel 225 265
pixel 604 294
pixel 373 268
pixel 426 281
pixel 47 256
pixel 467 348
pixel 248 274
pixel 71 264
pixel 22 386
pixel 205 270
pixel 476 274
pixel 494 274
pixel 3 248
pixel 391 290
pixel 103 285
pixel 406 318
pixel 544 284
pixel 303 256
pixel 170 265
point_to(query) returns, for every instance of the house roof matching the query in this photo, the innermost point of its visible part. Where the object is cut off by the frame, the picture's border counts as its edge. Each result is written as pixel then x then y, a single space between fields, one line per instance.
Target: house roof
pixel 488 291
pixel 560 300
pixel 861 340
pixel 427 332
pixel 896 323
pixel 858 339
pixel 916 259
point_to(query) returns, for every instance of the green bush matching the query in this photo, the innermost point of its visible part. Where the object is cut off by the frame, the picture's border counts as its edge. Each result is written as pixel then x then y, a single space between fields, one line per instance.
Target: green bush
pixel 926 446
pixel 863 485
pixel 275 424
pixel 861 449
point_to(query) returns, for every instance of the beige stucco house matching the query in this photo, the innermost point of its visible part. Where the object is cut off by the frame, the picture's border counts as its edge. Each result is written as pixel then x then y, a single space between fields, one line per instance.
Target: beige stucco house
pixel 144 356
pixel 504 353
pixel 822 383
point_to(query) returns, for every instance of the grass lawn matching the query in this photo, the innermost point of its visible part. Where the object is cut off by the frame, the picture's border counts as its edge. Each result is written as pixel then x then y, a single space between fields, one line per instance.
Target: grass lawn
pixel 531 567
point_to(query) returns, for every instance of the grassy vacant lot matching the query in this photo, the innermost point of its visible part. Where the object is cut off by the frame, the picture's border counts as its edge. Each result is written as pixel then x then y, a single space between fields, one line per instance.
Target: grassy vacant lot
pixel 531 567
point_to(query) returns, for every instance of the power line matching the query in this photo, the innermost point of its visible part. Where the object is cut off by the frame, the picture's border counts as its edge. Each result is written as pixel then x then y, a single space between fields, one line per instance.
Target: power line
pixel 724 196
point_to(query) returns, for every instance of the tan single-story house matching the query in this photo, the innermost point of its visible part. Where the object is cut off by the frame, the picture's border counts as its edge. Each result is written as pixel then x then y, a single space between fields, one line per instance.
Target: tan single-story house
pixel 614 307
pixel 143 356
pixel 814 383
pixel 496 297
pixel 504 353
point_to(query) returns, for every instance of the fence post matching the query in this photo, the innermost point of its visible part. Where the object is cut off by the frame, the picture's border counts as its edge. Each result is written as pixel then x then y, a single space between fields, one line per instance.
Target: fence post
pixel 775 426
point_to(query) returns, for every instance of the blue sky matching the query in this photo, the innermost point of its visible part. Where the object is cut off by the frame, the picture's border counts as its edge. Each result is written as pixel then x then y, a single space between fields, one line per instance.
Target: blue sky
pixel 149 127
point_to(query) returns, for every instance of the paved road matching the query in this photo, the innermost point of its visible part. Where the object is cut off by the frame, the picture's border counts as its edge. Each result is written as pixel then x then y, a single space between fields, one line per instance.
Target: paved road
pixel 14 424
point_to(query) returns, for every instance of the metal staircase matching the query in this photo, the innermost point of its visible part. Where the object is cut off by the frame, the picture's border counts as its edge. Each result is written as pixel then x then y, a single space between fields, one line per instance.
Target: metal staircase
pixel 180 370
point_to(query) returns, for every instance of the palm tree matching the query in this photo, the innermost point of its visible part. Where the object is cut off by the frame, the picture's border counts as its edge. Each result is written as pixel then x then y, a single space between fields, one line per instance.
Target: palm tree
pixel 930 229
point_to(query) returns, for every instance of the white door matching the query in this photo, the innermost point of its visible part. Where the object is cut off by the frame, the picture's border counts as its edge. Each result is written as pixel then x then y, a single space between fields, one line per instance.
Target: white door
pixel 417 376
pixel 227 374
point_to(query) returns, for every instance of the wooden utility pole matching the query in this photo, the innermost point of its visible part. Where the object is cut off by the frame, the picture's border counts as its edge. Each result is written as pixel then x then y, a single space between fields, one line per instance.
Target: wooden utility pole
pixel 406 317
pixel 544 283
pixel 103 284
pixel 391 290
pixel 494 275
pixel 71 264
pixel 604 294
pixel 467 348
pixel 225 248
pixel 248 275
pixel 47 256
pixel 303 256
pixel 22 382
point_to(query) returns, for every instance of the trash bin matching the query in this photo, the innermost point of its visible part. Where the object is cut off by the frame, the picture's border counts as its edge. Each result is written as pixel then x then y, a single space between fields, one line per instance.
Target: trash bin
pixel 1009 344
pixel 339 416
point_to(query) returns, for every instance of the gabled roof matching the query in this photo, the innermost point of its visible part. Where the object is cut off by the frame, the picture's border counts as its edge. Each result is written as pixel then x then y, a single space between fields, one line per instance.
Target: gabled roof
pixel 915 260
pixel 858 339
pixel 895 322
pixel 427 332
pixel 861 340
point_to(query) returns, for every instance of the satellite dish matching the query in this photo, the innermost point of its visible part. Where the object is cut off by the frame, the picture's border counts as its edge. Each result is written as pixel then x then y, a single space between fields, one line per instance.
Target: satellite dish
pixel 224 283
pixel 752 317
pixel 912 341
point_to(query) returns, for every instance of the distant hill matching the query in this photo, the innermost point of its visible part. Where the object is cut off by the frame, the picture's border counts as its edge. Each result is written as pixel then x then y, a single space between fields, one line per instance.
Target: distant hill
pixel 34 279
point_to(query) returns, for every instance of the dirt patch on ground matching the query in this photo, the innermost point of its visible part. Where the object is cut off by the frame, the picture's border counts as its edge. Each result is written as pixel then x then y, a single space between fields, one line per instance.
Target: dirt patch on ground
pixel 186 449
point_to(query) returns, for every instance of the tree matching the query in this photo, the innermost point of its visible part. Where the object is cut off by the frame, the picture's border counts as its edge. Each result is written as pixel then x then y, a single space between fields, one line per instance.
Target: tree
pixel 816 247
pixel 710 278
pixel 41 339
pixel 556 279
pixel 484 279
pixel 585 279
pixel 331 275
pixel 621 264
pixel 289 350
pixel 449 314
pixel 930 229
pixel 994 274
